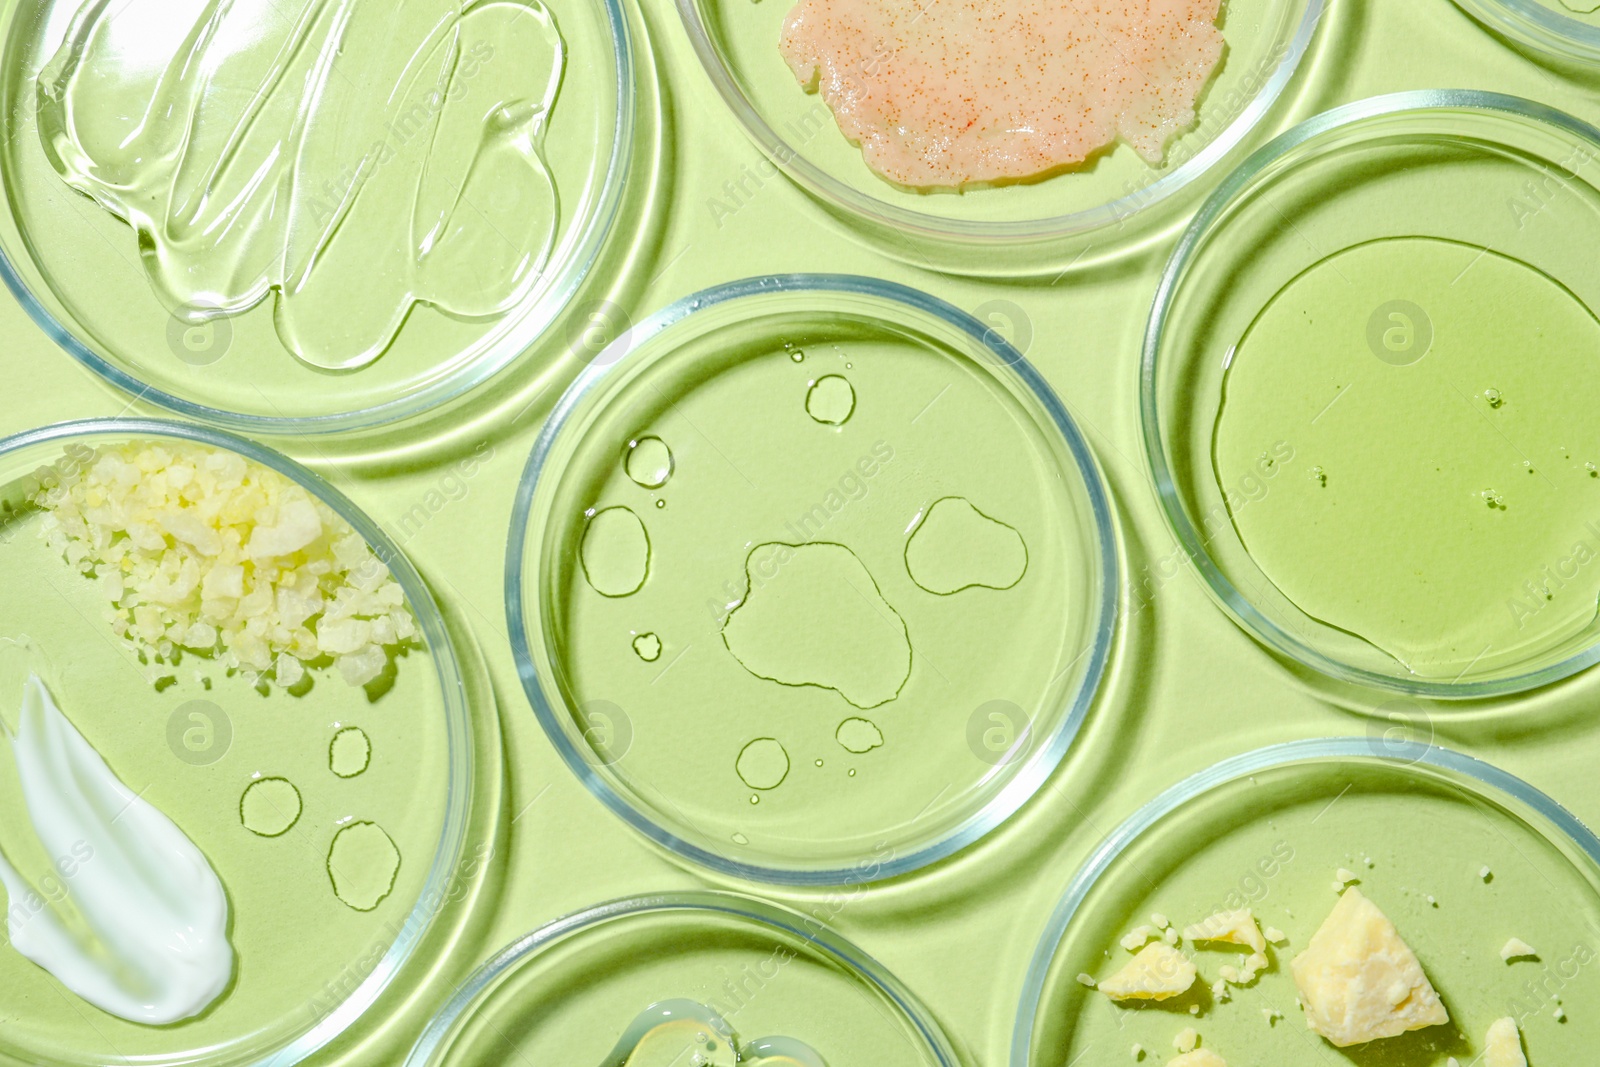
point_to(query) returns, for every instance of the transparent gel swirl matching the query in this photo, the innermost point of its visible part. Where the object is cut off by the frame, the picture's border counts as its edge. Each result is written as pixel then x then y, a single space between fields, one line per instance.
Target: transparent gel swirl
pixel 354 157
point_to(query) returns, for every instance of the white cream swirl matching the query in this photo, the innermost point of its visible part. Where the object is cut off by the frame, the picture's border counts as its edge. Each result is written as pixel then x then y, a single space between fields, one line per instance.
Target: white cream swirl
pixel 158 949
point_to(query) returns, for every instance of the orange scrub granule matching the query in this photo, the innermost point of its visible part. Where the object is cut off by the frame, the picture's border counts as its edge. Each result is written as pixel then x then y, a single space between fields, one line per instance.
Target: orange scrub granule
pixel 945 93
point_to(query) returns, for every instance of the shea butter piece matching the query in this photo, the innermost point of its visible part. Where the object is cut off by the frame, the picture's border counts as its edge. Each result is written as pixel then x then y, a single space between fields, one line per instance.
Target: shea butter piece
pixel 1159 972
pixel 1360 982
pixel 1233 927
pixel 1200 1057
pixel 1518 949
pixel 1137 939
pixel 1186 1040
pixel 1503 1046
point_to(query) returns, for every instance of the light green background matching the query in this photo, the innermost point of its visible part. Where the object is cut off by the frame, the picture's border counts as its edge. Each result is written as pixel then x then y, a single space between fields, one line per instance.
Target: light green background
pixel 1186 687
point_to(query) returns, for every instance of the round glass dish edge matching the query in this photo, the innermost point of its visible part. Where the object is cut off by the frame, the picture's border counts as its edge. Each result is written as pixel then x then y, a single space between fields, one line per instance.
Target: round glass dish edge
pixel 1409 753
pixel 831 190
pixel 599 229
pixel 429 619
pixel 1229 598
pixel 1044 762
pixel 1532 23
pixel 855 961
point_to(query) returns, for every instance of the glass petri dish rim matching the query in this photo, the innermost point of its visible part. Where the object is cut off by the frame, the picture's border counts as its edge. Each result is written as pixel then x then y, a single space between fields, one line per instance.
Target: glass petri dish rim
pixel 1200 230
pixel 1401 753
pixel 1037 769
pixel 598 228
pixel 855 961
pixel 1533 23
pixel 932 227
pixel 430 621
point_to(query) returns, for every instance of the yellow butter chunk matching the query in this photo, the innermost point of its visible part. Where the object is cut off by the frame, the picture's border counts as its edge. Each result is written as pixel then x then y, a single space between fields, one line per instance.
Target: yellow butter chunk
pixel 1158 972
pixel 1200 1057
pixel 197 549
pixel 1360 982
pixel 1518 949
pixel 1231 927
pixel 1503 1046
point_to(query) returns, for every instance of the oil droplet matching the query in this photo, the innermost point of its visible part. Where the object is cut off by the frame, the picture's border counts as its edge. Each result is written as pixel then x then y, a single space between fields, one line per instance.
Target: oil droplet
pixel 859 736
pixel 1594 471
pixel 852 772
pixel 740 839
pixel 362 865
pixel 1494 398
pixel 269 807
pixel 661 503
pixel 350 753
pixel 813 615
pixel 650 462
pixel 831 400
pixel 798 356
pixel 648 647
pixel 819 763
pixel 763 764
pixel 1319 476
pixel 755 799
pixel 957 547
pixel 1495 501
pixel 615 552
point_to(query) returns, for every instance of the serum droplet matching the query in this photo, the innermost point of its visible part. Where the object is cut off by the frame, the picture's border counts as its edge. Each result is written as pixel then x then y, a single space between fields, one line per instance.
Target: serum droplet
pixel 650 462
pixel 820 620
pixel 615 552
pixel 648 647
pixel 270 807
pixel 859 736
pixel 956 547
pixel 831 400
pixel 350 753
pixel 763 764
pixel 362 864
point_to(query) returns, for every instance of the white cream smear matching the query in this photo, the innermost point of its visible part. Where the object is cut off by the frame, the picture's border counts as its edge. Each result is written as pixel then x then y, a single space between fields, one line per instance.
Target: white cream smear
pixel 156 911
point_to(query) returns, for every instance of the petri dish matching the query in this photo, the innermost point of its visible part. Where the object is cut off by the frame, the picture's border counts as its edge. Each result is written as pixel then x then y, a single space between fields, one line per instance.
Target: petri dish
pixel 1567 28
pixel 1008 229
pixel 811 579
pixel 711 978
pixel 271 287
pixel 1269 831
pixel 320 920
pixel 1367 521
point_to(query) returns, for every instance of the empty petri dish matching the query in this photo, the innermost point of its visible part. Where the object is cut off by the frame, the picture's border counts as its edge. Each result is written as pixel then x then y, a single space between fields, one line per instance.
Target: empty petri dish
pixel 1366 390
pixel 338 220
pixel 306 895
pixel 1569 28
pixel 856 619
pixel 1460 857
pixel 1007 227
pixel 705 978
